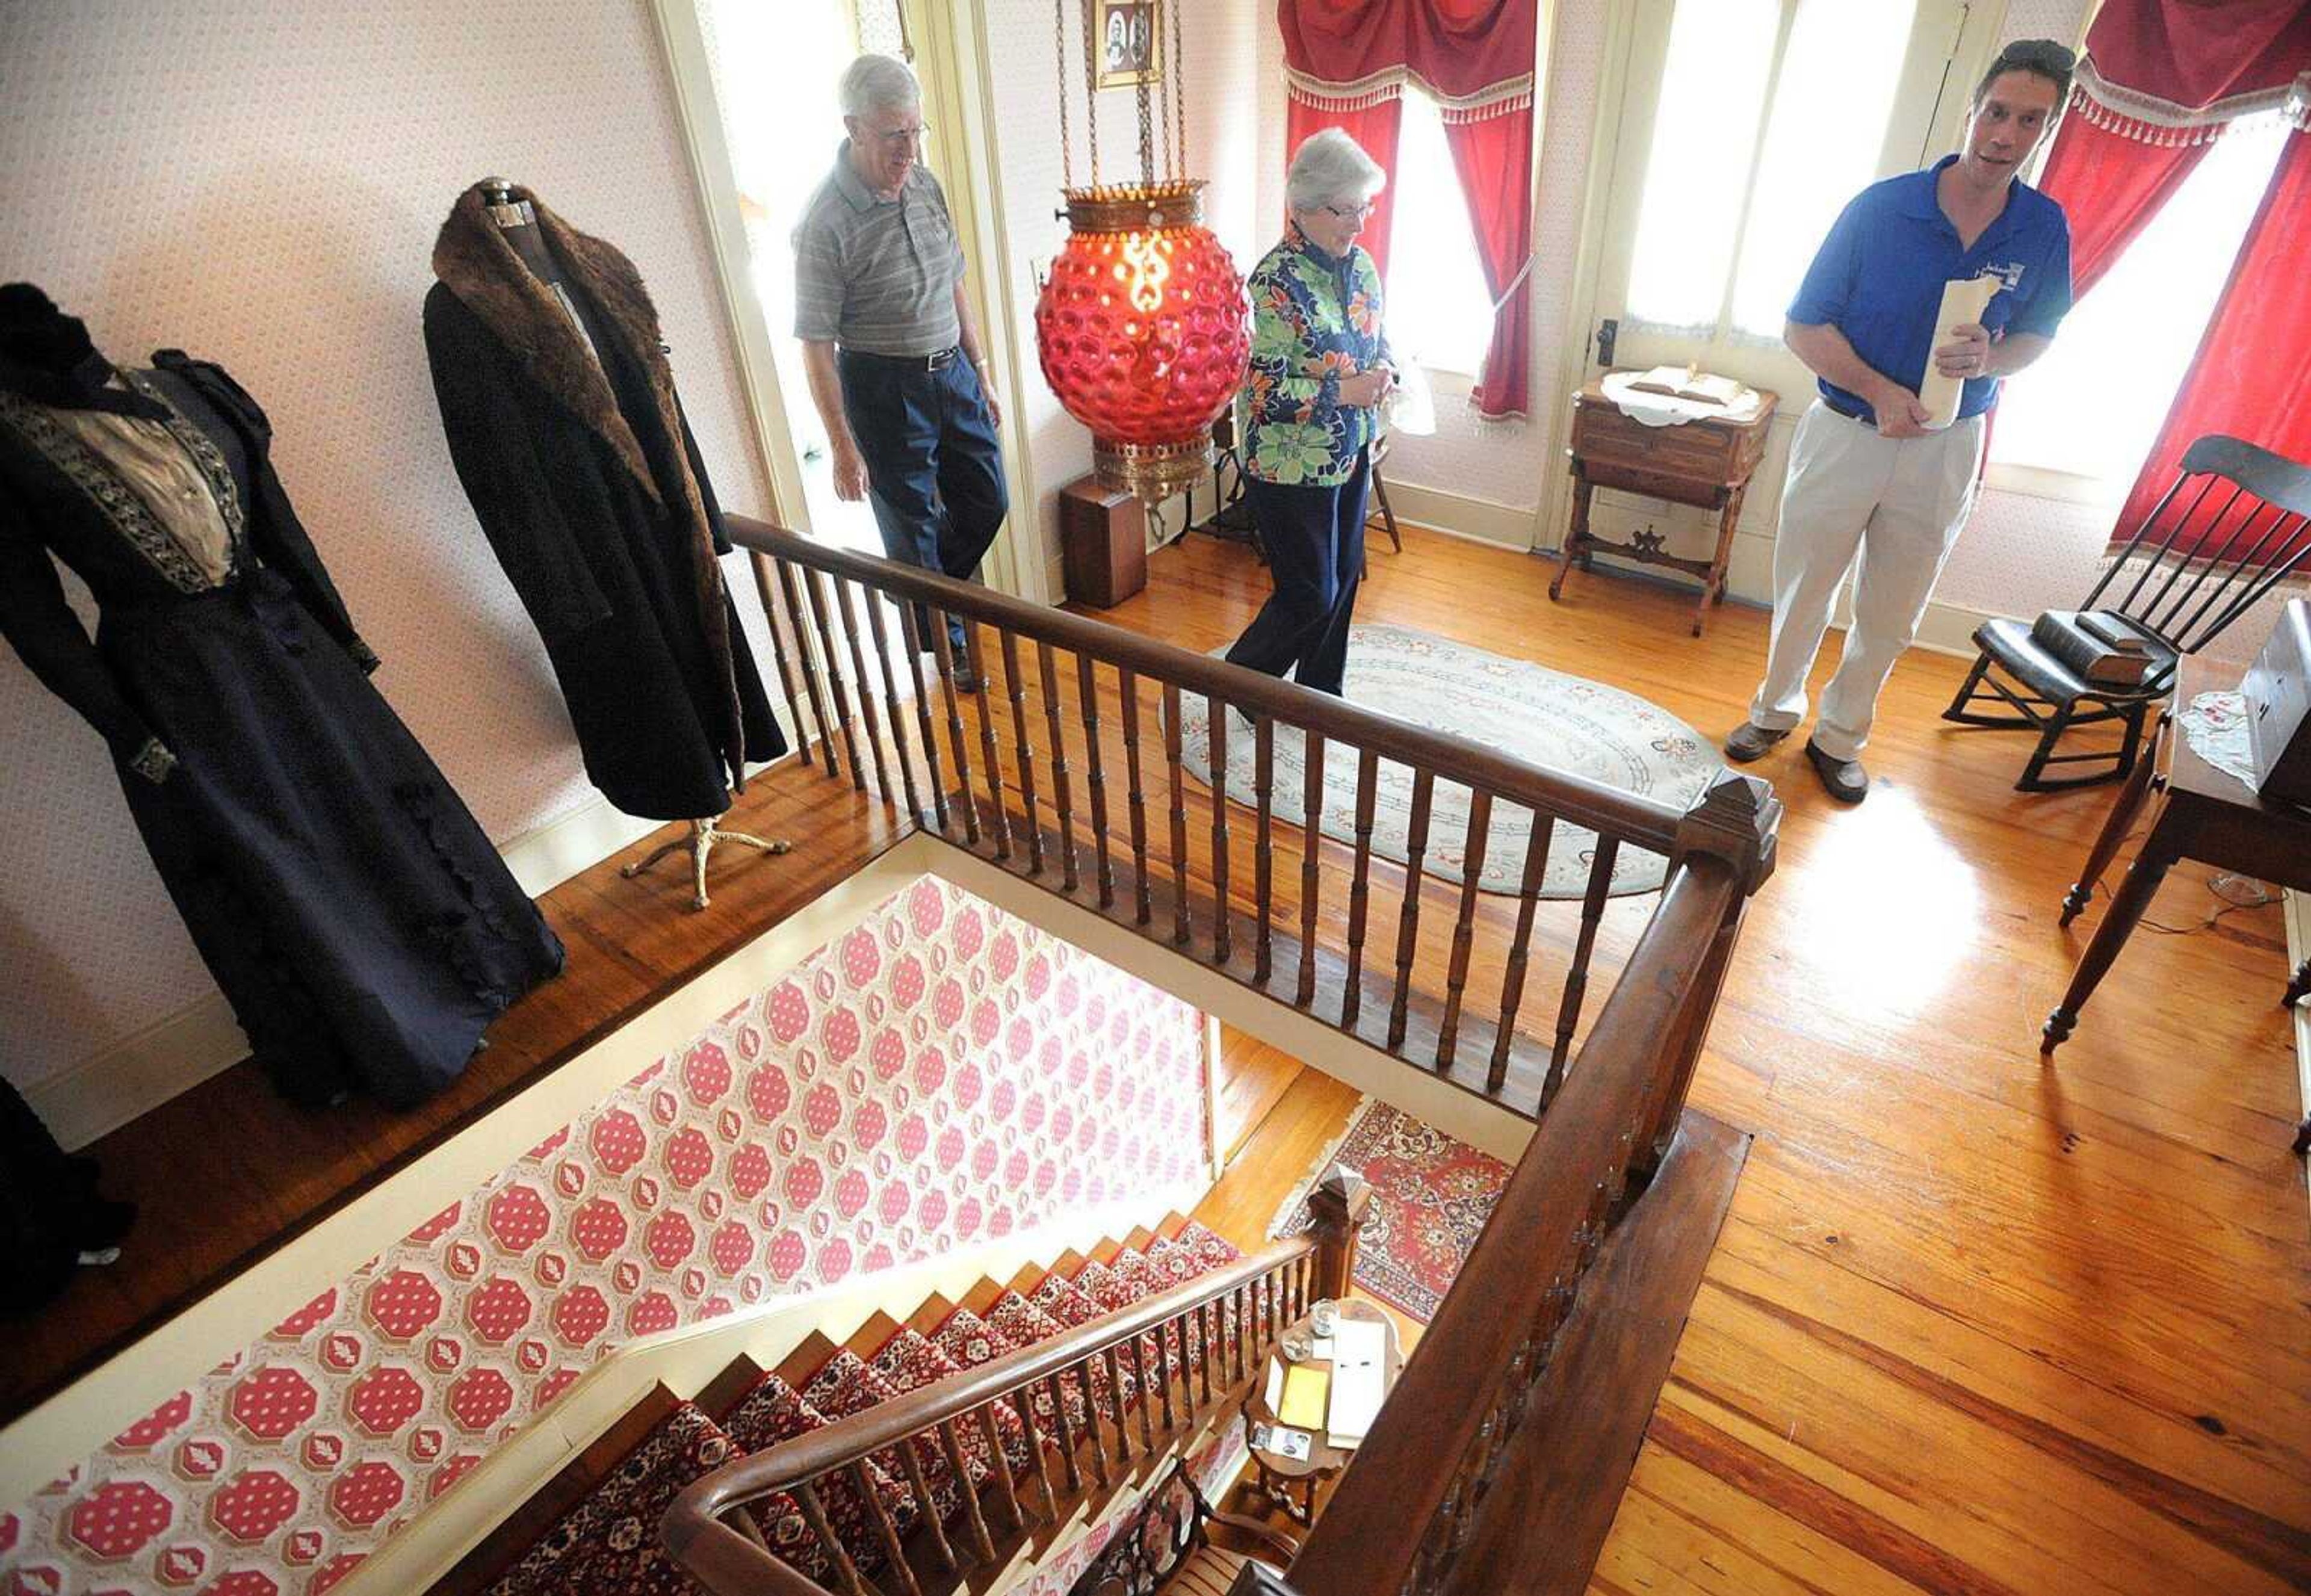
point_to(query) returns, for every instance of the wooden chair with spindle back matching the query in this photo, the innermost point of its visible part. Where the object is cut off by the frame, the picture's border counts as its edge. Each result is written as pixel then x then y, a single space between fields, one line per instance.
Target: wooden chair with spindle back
pixel 2235 523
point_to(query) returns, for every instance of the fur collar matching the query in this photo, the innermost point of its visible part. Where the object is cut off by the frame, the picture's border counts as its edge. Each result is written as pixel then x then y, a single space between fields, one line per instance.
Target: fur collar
pixel 472 258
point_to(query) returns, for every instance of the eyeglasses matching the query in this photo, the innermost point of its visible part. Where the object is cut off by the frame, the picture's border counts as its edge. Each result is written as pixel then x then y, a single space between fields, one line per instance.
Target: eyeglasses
pixel 901 139
pixel 1352 213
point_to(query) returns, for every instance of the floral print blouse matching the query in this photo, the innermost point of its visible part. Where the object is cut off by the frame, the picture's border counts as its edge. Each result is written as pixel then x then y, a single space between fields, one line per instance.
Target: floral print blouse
pixel 1315 320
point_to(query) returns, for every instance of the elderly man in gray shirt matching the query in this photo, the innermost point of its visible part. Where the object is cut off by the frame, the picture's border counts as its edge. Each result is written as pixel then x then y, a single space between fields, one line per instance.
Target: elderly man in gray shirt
pixel 894 359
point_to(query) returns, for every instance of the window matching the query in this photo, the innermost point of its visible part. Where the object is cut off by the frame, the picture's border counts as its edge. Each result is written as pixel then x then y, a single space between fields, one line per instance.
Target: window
pixel 1729 221
pixel 2092 405
pixel 1439 311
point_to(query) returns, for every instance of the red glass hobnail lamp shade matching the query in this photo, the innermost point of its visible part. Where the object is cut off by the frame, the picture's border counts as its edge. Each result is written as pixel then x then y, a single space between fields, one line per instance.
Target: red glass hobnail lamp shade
pixel 1143 337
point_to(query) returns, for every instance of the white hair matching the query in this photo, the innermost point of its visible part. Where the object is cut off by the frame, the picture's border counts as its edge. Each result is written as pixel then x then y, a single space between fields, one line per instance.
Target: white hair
pixel 878 83
pixel 1330 167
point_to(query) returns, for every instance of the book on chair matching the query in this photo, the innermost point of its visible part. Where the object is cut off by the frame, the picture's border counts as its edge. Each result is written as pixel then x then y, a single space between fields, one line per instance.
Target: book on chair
pixel 2105 650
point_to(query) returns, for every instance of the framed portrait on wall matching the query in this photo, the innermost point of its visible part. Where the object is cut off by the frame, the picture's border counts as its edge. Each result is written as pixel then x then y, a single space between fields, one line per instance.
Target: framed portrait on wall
pixel 1130 43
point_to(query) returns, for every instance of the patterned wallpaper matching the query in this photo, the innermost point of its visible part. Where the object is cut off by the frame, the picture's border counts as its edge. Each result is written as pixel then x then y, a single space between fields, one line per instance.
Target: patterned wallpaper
pixel 941 1073
pixel 261 184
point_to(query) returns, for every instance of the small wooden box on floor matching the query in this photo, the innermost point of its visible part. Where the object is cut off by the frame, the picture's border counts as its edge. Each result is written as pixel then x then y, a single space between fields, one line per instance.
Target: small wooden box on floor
pixel 1703 463
pixel 1102 543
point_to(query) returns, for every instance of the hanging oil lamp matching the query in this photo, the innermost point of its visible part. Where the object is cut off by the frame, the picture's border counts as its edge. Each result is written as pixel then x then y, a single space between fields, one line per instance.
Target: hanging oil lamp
pixel 1141 326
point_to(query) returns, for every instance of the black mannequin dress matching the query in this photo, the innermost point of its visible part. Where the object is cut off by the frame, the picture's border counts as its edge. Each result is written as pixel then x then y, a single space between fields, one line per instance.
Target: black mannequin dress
pixel 362 926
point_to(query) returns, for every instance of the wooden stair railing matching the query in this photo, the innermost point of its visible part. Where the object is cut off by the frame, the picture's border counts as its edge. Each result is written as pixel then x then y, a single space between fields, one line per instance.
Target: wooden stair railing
pixel 1043 802
pixel 1210 1337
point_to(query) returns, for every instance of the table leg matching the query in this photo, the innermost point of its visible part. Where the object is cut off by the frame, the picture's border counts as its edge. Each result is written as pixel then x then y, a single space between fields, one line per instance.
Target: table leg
pixel 1713 587
pixel 2126 908
pixel 1576 538
pixel 2106 841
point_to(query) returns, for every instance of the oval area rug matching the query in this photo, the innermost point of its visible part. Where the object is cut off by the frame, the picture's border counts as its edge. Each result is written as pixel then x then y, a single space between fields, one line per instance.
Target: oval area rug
pixel 1542 716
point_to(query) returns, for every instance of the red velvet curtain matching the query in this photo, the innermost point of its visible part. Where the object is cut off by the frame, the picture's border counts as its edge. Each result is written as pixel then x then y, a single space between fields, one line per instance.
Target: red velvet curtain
pixel 2158 81
pixel 2252 376
pixel 1348 62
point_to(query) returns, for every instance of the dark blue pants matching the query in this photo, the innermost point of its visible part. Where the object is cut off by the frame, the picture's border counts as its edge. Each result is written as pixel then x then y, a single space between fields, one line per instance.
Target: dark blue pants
pixel 1314 538
pixel 934 470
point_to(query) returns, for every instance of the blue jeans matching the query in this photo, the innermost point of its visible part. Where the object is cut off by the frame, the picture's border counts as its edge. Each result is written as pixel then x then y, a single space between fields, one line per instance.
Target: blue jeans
pixel 934 470
pixel 1314 538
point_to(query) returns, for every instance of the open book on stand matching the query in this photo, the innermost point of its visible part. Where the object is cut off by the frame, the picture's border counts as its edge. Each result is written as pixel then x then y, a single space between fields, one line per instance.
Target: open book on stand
pixel 1688 382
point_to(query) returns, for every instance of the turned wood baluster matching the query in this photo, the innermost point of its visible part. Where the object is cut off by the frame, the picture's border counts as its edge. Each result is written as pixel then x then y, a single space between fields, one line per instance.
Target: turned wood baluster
pixel 1576 980
pixel 1024 1399
pixel 1095 780
pixel 1536 867
pixel 1093 1428
pixel 761 563
pixel 1115 1398
pixel 943 667
pixel 1146 1396
pixel 807 1493
pixel 1023 749
pixel 1263 848
pixel 1187 1361
pixel 1000 819
pixel 1352 995
pixel 800 627
pixel 951 1447
pixel 1464 924
pixel 872 600
pixel 927 1504
pixel 1180 931
pixel 895 1550
pixel 1243 1300
pixel 1062 799
pixel 1057 1393
pixel 1163 1375
pixel 865 689
pixel 999 1466
pixel 1208 1316
pixel 815 586
pixel 923 724
pixel 1407 919
pixel 1222 941
pixel 1311 837
pixel 1143 898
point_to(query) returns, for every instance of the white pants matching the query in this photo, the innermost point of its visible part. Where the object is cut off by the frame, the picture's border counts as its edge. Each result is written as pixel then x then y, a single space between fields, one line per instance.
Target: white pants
pixel 1899 502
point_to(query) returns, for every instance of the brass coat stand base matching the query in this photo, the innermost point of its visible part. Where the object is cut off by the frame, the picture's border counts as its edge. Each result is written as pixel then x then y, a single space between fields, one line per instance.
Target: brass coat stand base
pixel 703 835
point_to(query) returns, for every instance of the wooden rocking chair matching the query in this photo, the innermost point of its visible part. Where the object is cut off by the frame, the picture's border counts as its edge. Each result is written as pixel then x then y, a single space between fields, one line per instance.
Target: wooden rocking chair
pixel 2258 534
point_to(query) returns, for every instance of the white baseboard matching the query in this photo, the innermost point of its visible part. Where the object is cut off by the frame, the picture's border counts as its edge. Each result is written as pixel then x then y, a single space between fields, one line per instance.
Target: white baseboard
pixel 1459 515
pixel 136 1075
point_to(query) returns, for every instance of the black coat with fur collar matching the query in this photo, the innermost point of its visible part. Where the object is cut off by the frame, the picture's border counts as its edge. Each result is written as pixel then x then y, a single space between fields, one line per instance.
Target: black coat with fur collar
pixel 588 485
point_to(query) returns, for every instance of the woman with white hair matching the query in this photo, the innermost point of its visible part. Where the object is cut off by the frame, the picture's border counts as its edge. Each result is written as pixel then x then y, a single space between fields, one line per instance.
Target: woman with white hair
pixel 1320 368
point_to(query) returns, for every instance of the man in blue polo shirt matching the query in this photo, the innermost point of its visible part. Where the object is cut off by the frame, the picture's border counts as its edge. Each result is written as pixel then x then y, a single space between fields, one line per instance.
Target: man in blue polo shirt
pixel 1866 476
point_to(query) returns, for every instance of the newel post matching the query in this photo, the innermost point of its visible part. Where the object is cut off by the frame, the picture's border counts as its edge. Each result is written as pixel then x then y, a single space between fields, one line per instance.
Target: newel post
pixel 1338 1205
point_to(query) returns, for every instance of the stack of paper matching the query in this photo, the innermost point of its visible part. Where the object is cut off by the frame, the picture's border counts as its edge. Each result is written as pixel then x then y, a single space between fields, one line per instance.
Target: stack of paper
pixel 1359 1379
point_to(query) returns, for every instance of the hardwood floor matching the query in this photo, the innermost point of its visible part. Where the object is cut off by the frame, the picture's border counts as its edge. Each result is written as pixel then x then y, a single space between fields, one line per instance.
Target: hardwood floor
pixel 1974 1324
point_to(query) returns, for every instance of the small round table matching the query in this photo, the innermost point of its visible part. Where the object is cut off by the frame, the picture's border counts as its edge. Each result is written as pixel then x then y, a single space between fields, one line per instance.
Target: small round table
pixel 1289 1484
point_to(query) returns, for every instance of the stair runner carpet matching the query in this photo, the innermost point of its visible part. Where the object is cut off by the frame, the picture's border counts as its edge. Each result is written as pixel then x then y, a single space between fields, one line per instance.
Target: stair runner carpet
pixel 609 1542
pixel 1431 1197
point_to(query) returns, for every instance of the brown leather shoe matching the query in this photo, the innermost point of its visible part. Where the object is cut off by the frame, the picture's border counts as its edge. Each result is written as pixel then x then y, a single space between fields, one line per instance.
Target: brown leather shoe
pixel 1749 741
pixel 1843 780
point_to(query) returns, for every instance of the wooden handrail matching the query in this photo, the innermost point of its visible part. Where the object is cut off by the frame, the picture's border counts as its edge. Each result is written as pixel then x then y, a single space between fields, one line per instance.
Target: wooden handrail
pixel 1381 1525
pixel 693 1530
pixel 1632 817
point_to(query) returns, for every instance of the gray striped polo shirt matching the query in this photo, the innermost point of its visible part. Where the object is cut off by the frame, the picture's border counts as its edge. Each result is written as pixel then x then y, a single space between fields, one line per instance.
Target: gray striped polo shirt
pixel 877 275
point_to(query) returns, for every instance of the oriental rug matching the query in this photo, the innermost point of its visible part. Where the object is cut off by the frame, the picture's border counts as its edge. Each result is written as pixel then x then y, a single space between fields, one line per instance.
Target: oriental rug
pixel 1542 716
pixel 1431 1197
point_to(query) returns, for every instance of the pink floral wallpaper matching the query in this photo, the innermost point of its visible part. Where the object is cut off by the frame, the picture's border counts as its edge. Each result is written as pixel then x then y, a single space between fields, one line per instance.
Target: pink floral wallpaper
pixel 941 1073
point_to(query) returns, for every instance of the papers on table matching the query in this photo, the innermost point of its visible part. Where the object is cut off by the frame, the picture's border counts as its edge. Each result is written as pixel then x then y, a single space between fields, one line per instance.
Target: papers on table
pixel 1358 1383
pixel 1305 1387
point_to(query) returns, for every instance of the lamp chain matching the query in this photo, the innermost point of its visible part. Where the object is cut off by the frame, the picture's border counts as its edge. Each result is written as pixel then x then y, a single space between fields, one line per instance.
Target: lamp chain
pixel 1179 90
pixel 1091 86
pixel 1147 130
pixel 1060 48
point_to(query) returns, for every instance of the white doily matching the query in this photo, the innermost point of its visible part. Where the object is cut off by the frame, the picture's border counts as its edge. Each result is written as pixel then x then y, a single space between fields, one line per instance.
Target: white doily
pixel 1663 410
pixel 2215 726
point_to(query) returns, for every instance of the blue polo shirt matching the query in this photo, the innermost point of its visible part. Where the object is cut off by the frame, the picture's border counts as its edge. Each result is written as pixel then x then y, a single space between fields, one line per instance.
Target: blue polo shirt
pixel 1879 278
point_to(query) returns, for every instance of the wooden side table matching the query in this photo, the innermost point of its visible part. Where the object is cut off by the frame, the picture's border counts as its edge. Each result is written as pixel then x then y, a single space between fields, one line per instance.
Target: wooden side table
pixel 1704 463
pixel 1289 1484
pixel 2202 813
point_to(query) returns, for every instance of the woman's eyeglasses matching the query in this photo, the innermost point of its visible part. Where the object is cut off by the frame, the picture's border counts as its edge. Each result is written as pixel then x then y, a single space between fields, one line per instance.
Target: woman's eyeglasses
pixel 1352 213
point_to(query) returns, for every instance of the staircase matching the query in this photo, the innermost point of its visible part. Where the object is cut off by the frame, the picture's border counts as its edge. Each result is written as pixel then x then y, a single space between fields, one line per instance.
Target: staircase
pixel 913 1516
